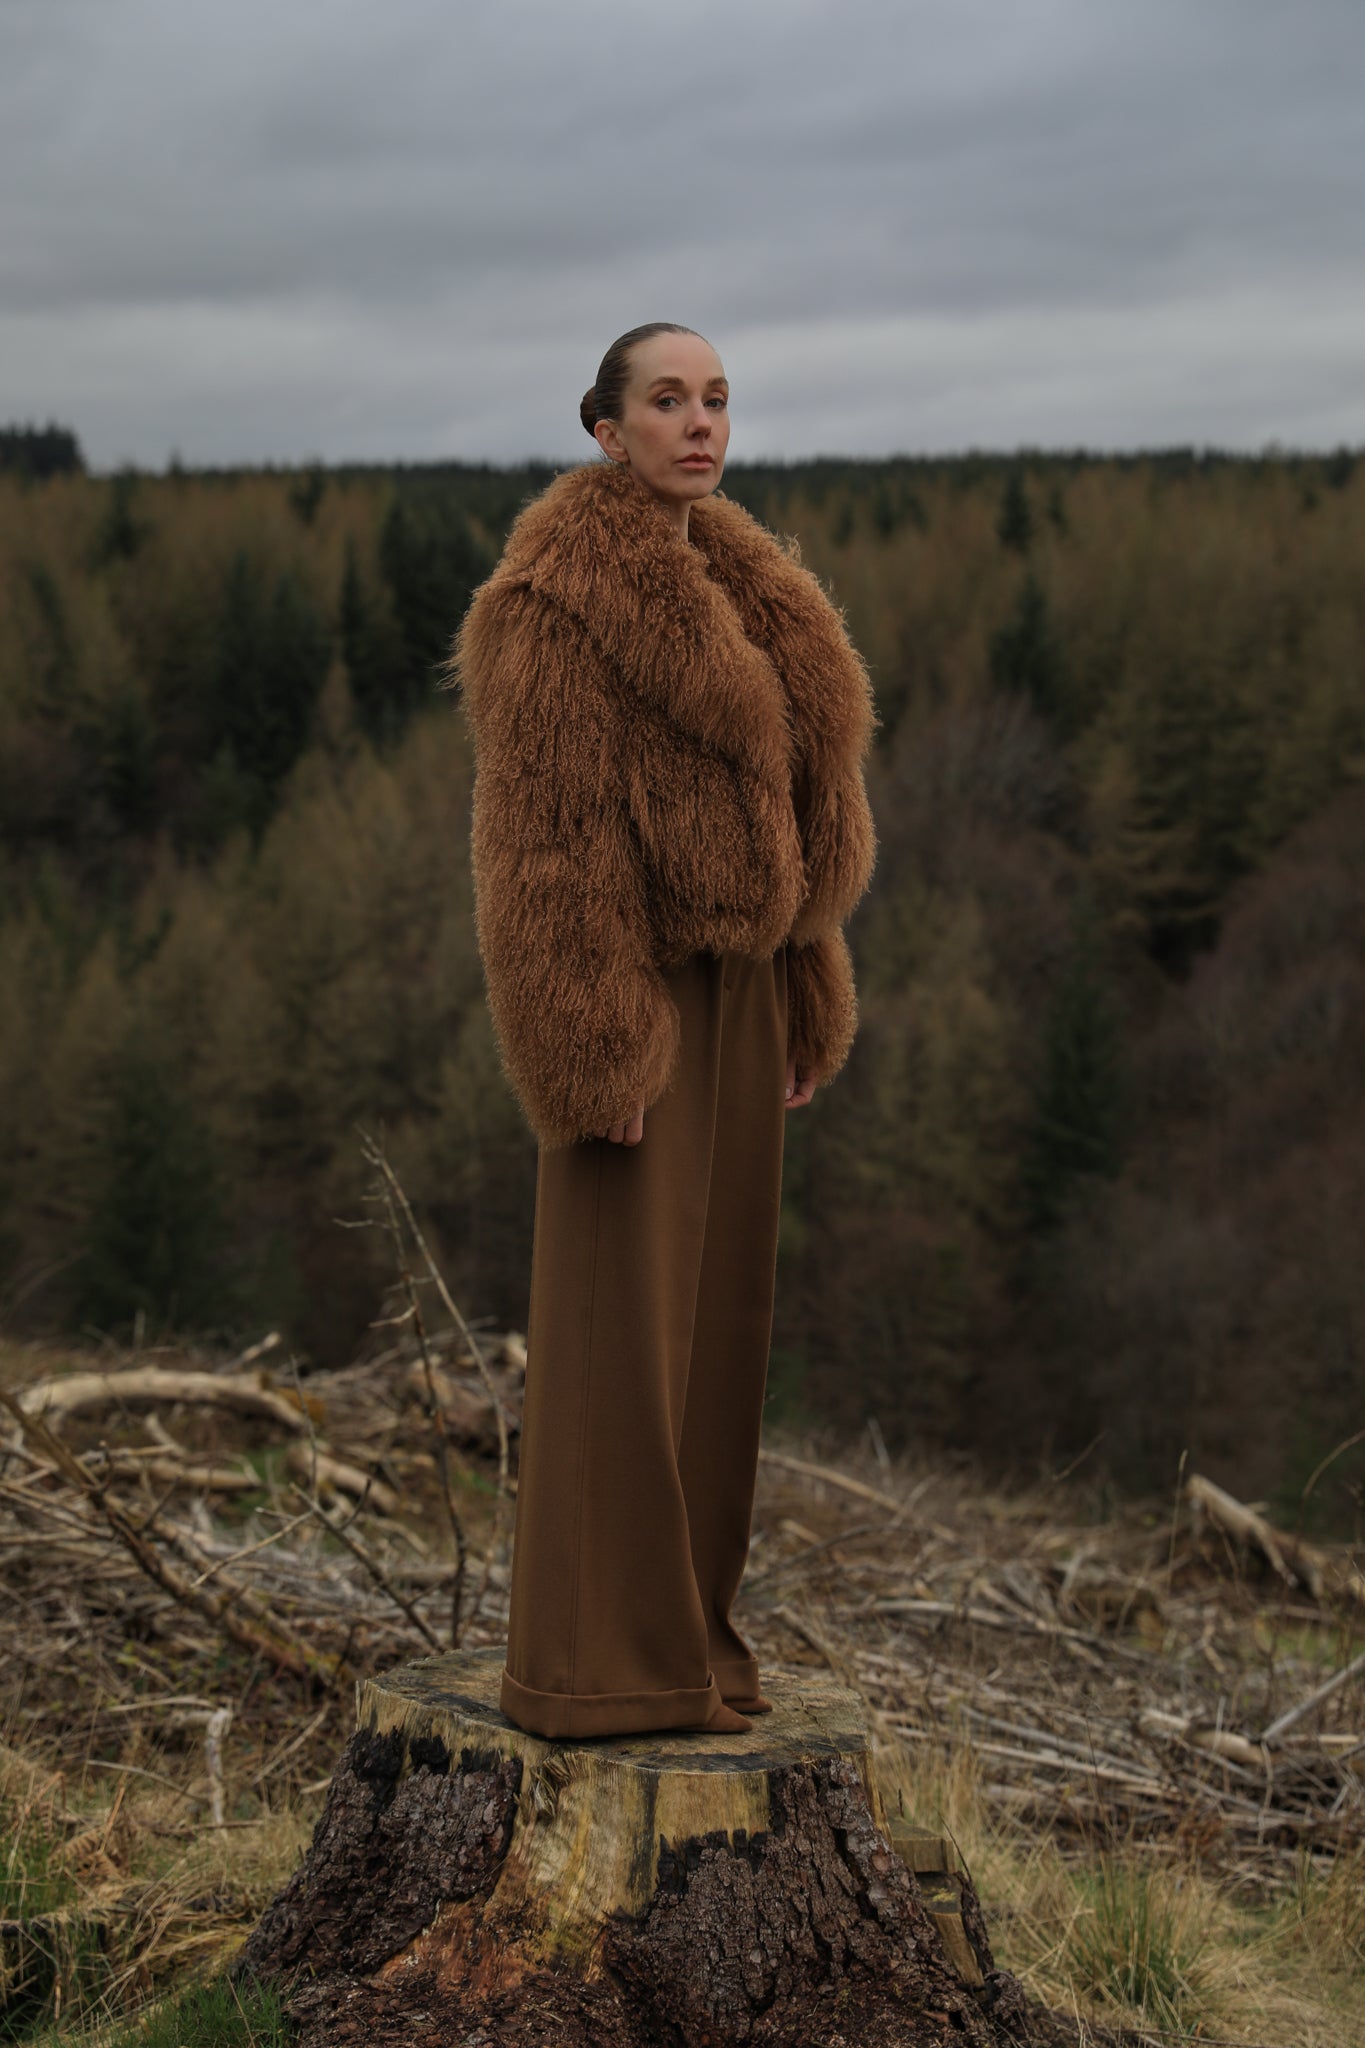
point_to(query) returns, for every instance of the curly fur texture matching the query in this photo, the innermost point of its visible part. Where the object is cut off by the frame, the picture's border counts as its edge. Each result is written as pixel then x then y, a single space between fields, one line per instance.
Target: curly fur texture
pixel 669 740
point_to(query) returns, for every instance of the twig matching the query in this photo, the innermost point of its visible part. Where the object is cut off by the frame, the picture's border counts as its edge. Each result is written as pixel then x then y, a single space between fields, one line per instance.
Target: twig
pixel 270 1342
pixel 1315 1698
pixel 452 1309
pixel 819 1643
pixel 1175 1520
pixel 1009 1618
pixel 394 1201
pixel 248 1550
pixel 295 1742
pixel 842 1480
pixel 238 1612
pixel 215 1729
pixel 755 1580
pixel 362 1556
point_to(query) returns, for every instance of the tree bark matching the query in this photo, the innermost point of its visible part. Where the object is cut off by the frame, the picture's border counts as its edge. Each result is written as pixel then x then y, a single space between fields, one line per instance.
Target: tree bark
pixel 470 1884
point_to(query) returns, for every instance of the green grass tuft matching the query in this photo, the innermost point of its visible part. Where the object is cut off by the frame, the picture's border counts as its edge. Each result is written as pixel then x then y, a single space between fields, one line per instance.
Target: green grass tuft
pixel 49 1956
pixel 32 1880
pixel 219 2014
pixel 1136 1947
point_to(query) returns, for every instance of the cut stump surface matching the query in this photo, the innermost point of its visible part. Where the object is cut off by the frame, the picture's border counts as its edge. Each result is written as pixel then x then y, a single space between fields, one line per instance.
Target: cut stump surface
pixel 469 1883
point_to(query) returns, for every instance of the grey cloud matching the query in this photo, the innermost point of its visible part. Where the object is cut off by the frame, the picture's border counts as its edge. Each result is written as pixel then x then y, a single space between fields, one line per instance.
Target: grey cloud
pixel 260 232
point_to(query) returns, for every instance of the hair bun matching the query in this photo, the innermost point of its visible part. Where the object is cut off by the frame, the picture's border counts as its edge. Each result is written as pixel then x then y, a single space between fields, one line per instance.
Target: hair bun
pixel 587 411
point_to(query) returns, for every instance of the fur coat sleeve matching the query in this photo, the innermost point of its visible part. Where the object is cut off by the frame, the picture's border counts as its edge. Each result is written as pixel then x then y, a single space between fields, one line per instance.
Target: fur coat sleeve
pixel 585 1025
pixel 669 742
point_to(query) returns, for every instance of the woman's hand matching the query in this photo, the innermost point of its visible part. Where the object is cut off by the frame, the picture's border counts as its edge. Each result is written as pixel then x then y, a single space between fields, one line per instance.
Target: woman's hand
pixel 800 1088
pixel 629 1133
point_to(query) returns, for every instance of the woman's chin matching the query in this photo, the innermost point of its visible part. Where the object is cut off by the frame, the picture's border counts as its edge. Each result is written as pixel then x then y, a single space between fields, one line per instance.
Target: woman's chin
pixel 677 486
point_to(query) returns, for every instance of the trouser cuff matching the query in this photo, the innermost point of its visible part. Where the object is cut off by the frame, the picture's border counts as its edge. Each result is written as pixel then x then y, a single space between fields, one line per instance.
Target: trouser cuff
pixel 559 1714
pixel 737 1677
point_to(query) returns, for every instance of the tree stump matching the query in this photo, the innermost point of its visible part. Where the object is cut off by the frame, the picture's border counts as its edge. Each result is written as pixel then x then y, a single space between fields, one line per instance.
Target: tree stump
pixel 469 1884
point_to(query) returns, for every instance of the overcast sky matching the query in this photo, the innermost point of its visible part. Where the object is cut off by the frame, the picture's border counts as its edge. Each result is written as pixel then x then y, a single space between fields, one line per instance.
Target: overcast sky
pixel 261 230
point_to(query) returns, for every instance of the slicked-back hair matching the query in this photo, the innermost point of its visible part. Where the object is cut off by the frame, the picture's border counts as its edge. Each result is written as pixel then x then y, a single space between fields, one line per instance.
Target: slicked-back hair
pixel 607 395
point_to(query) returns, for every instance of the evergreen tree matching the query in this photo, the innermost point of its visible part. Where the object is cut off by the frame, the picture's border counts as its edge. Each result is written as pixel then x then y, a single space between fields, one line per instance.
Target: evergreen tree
pixel 1014 522
pixel 1198 746
pixel 307 491
pixel 298 650
pixel 884 512
pixel 128 760
pixel 41 451
pixel 120 533
pixel 432 563
pixel 1338 468
pixel 373 649
pixel 273 649
pixel 1077 1126
pixel 54 647
pixel 1026 655
pixel 156 1241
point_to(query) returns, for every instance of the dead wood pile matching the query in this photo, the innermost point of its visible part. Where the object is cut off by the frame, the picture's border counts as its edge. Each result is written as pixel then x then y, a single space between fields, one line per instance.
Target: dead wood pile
pixel 1191 1676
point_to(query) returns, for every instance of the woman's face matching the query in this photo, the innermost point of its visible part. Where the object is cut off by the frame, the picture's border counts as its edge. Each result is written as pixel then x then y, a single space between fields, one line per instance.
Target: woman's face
pixel 675 421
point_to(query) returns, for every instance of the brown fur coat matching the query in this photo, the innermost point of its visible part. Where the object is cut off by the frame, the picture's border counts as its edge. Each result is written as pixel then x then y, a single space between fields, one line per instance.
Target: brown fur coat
pixel 668 739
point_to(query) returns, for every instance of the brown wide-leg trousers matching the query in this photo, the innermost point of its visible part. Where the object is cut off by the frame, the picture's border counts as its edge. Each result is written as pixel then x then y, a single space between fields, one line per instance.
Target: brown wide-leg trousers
pixel 647 1350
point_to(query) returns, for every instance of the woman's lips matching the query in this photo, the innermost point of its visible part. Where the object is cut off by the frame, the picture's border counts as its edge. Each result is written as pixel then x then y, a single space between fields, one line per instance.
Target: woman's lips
pixel 697 461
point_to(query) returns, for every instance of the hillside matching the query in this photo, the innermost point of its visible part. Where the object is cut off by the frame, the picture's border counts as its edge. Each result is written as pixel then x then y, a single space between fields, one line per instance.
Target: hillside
pixel 1088 1183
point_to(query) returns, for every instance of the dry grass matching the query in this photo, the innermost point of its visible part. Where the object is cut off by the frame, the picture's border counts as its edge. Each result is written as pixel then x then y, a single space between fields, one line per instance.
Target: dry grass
pixel 1076 1696
pixel 1141 1937
pixel 119 1899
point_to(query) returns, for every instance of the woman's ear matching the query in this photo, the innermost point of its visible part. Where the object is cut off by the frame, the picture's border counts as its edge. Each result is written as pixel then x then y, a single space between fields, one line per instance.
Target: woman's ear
pixel 610 442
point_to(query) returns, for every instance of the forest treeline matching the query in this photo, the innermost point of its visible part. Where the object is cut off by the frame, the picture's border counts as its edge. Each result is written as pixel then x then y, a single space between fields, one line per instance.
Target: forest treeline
pixel 1092 1181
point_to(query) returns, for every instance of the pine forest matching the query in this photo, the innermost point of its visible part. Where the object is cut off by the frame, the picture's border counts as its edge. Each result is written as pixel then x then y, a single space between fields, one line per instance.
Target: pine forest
pixel 1090 1187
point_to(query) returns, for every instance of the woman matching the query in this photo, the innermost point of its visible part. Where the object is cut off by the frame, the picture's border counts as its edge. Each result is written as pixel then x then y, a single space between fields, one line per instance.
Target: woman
pixel 669 827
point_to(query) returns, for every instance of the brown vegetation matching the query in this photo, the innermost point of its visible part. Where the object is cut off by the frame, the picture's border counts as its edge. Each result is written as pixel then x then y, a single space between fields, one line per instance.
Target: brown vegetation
pixel 1134 1723
pixel 1091 1174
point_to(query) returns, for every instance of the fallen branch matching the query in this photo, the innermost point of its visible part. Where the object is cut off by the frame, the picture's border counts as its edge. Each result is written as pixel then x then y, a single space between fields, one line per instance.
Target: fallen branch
pixel 1292 1559
pixel 829 1477
pixel 1004 1618
pixel 150 1386
pixel 180 1474
pixel 465 1411
pixel 235 1610
pixel 1315 1698
pixel 327 1474
pixel 1224 1743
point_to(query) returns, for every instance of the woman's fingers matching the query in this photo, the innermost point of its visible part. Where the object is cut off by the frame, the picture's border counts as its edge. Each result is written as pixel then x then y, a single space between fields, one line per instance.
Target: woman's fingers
pixel 630 1132
pixel 801 1085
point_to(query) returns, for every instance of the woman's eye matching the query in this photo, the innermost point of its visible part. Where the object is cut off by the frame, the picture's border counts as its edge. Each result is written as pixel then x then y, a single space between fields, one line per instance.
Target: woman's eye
pixel 670 399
